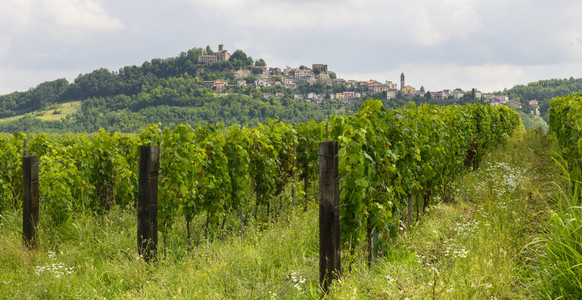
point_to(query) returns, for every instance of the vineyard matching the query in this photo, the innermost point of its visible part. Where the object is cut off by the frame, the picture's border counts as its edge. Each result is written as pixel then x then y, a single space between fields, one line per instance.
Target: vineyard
pixel 393 165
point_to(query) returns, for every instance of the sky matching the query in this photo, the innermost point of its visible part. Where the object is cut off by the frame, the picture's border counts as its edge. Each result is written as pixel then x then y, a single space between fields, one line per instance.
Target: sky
pixel 485 44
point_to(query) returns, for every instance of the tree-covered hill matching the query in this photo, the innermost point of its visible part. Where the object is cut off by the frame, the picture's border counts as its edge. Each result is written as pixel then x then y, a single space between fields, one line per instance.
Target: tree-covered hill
pixel 128 80
pixel 166 91
pixel 543 91
pixel 177 90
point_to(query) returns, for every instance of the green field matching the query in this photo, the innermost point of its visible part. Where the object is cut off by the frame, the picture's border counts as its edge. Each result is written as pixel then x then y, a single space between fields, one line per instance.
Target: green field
pixel 54 113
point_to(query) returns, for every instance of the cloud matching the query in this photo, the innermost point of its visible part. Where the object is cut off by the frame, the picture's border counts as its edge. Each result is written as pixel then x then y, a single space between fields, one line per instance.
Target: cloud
pixel 17 79
pixel 485 77
pixel 76 18
pixel 488 44
pixel 71 21
pixel 423 23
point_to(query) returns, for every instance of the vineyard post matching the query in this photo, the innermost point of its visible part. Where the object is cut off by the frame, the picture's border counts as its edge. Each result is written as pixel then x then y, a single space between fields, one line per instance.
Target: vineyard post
pixel 30 199
pixel 409 211
pixel 293 169
pixel 147 203
pixel 329 229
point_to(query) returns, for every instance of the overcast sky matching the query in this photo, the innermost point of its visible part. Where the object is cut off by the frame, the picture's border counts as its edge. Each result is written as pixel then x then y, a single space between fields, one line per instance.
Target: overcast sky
pixel 487 44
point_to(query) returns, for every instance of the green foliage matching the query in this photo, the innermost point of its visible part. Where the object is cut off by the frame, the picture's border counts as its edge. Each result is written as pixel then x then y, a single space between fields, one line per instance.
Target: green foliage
pixel 465 249
pixel 543 91
pixel 240 60
pixel 388 157
pixel 561 265
pixel 531 121
pixel 309 135
pixel 566 122
pixel 12 149
pixel 260 63
pixel 562 244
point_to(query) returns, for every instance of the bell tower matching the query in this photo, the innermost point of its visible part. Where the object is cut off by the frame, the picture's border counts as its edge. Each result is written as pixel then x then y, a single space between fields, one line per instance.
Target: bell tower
pixel 402 81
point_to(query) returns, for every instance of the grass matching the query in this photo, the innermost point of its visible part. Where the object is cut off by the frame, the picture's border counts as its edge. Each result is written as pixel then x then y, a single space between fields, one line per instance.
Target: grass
pixel 61 111
pixel 477 246
pixel 53 113
pixel 559 269
pixel 91 258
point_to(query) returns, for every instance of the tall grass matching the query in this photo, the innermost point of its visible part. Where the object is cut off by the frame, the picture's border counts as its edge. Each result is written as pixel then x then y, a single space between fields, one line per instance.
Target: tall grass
pixel 560 262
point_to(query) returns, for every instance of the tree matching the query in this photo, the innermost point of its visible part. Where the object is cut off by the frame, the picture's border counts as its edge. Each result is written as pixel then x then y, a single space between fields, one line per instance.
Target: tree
pixel 240 60
pixel 422 89
pixel 209 50
pixel 332 75
pixel 428 95
pixel 260 63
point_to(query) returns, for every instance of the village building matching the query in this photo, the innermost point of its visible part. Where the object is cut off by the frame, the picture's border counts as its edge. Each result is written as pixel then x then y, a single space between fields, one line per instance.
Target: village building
pixel 458 93
pixel 391 94
pixel 327 82
pixel 221 55
pixel 478 94
pixel 217 84
pixel 438 95
pixel 408 89
pixel 275 71
pixel 514 104
pixel 391 85
pixel 319 68
pixel 349 95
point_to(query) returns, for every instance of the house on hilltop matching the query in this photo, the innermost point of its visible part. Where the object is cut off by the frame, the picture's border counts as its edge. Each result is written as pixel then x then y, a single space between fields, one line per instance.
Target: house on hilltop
pixel 221 55
pixel 458 94
pixel 303 73
pixel 217 84
pixel 391 94
pixel 319 68
pixel 408 89
pixel 514 104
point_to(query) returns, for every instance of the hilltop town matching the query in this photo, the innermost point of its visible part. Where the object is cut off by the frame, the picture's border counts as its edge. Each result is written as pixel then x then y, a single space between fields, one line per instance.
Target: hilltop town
pixel 203 86
pixel 344 90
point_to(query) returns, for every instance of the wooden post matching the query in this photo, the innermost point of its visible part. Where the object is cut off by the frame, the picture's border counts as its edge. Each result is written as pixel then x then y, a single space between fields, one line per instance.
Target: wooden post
pixel 293 171
pixel 409 212
pixel 147 202
pixel 329 230
pixel 30 200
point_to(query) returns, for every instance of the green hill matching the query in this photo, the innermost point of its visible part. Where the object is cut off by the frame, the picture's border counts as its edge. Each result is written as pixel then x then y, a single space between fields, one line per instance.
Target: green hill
pixel 543 91
pixel 181 90
pixel 165 91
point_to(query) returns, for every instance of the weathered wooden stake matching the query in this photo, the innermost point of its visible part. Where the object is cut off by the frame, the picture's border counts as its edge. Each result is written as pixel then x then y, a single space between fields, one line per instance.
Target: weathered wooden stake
pixel 147 202
pixel 329 229
pixel 409 211
pixel 293 173
pixel 30 200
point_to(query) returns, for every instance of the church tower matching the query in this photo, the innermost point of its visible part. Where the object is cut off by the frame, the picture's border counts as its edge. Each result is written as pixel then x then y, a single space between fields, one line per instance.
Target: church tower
pixel 402 82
